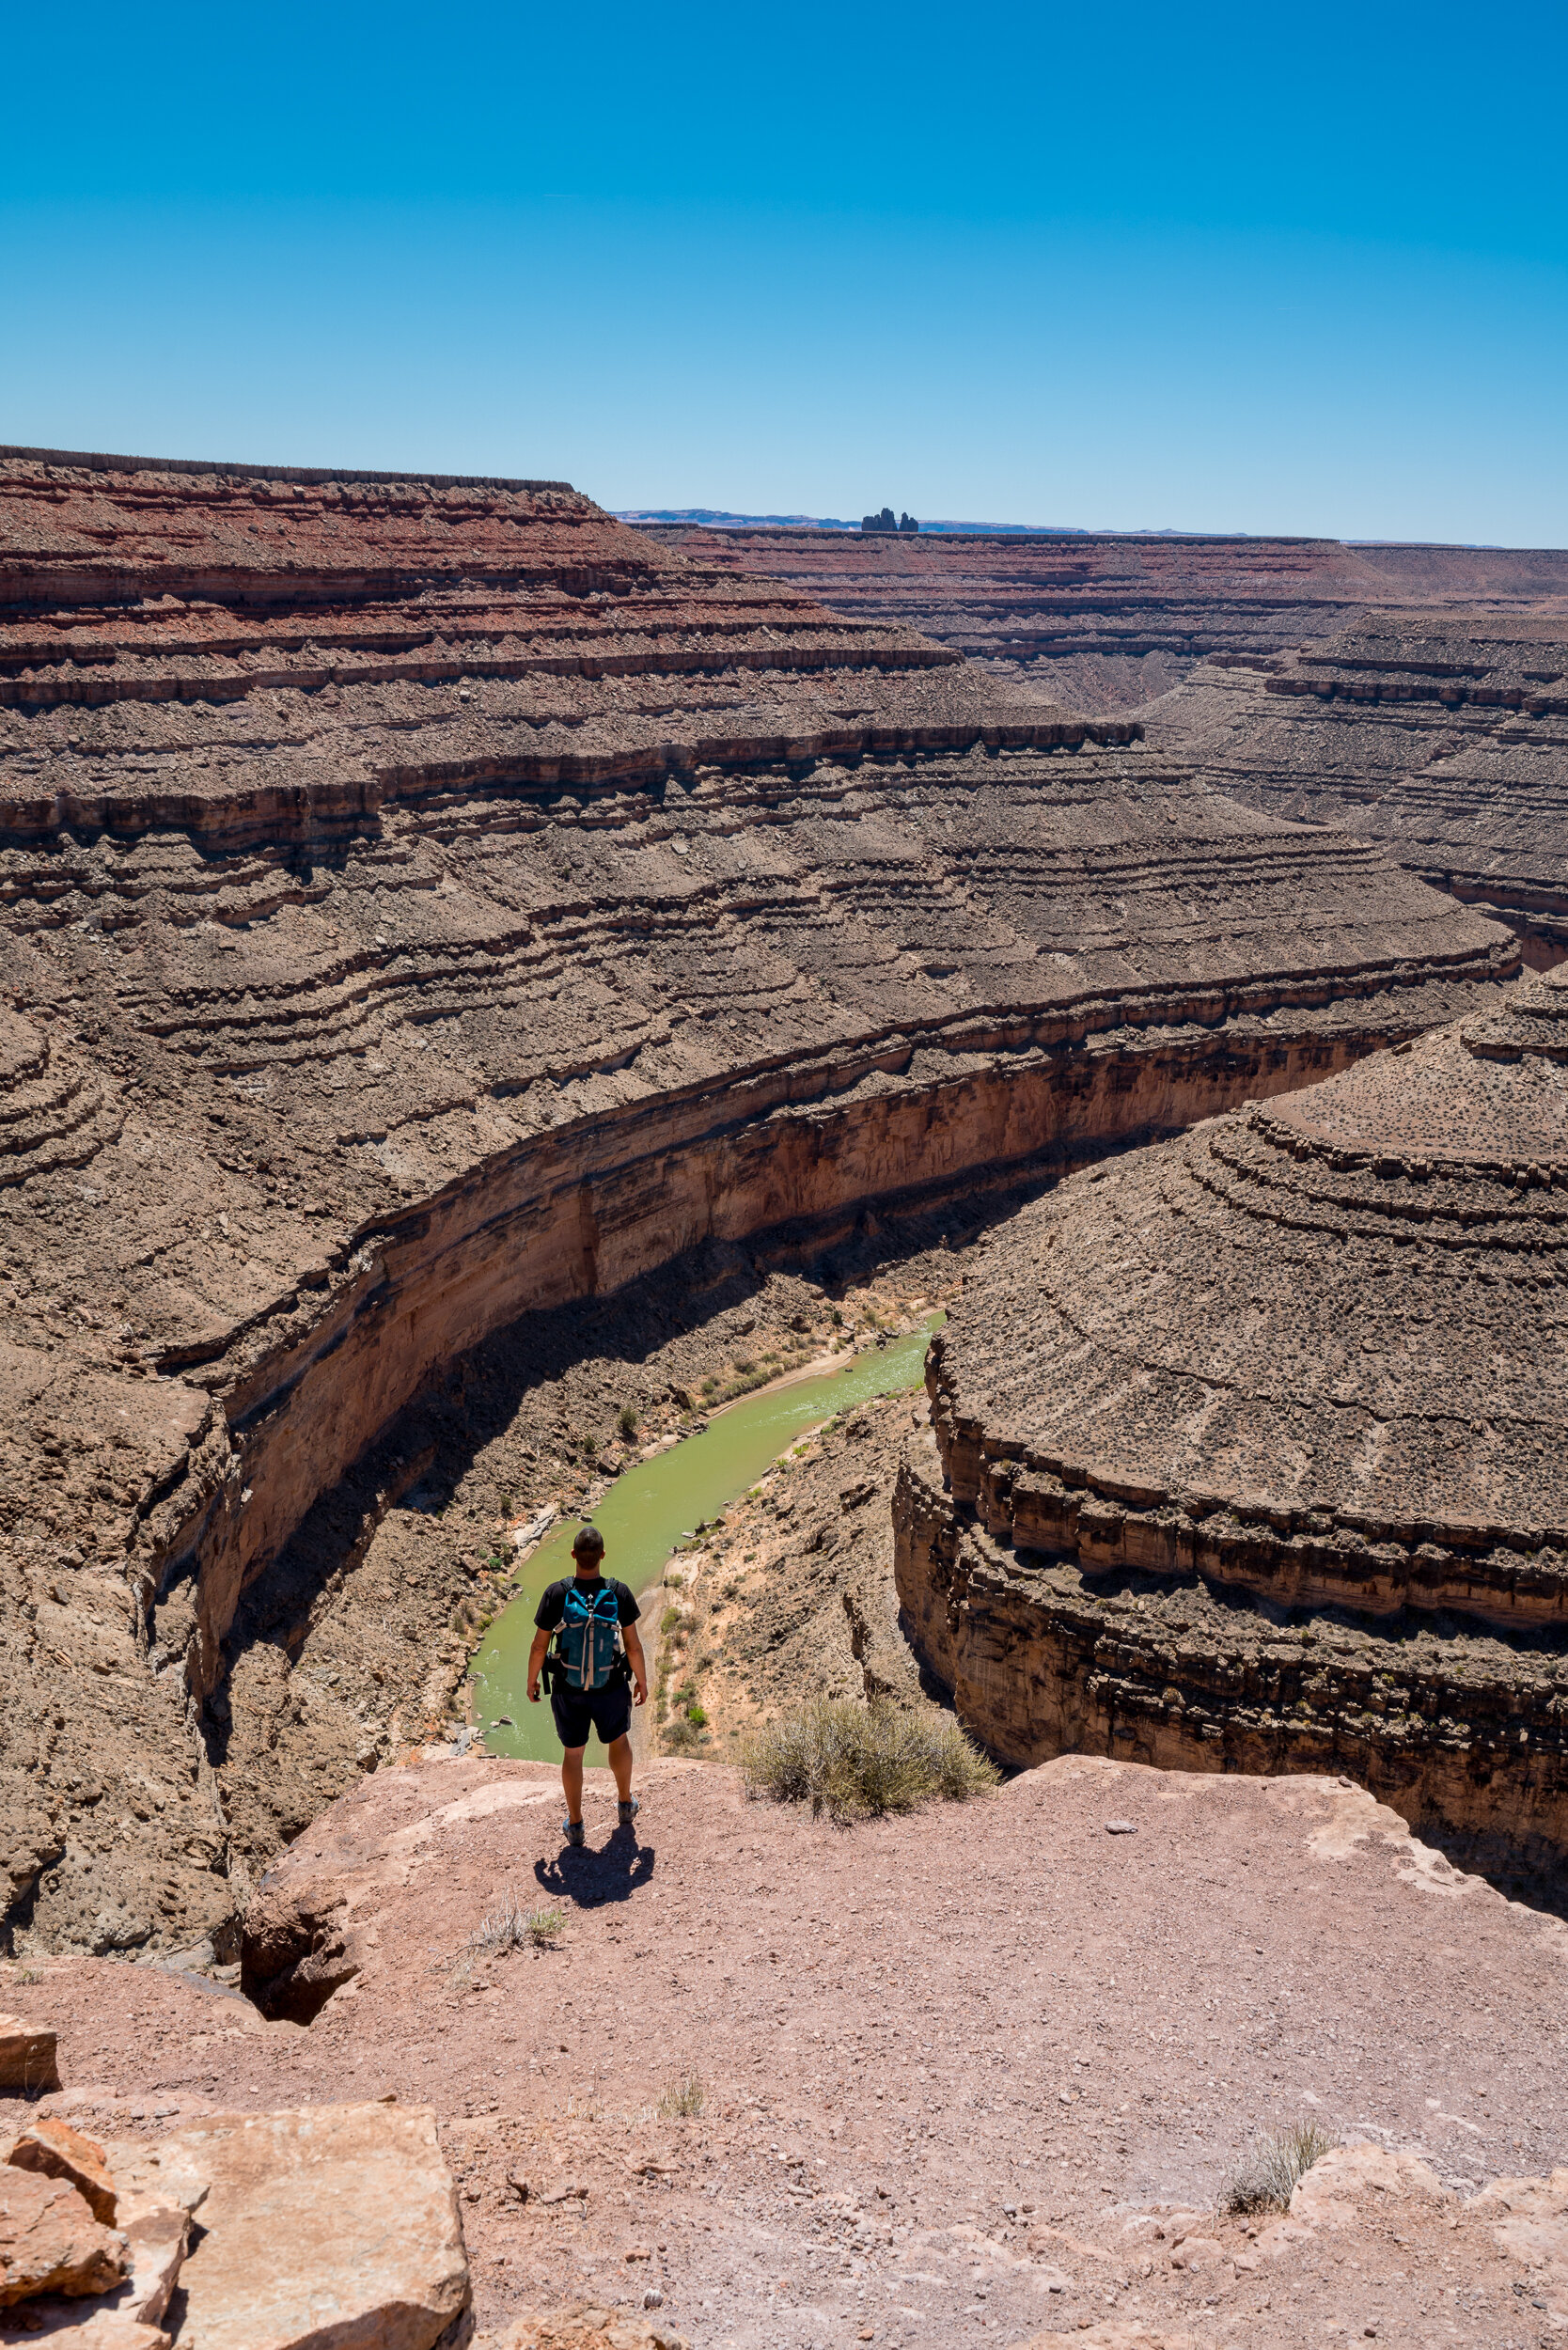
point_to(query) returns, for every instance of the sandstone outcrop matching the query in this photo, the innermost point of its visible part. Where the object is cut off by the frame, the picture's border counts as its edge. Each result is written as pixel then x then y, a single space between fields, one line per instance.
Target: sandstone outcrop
pixel 1106 620
pixel 1249 1451
pixel 425 903
pixel 1444 737
pixel 336 2224
pixel 57 2151
pixel 50 2243
pixel 28 2058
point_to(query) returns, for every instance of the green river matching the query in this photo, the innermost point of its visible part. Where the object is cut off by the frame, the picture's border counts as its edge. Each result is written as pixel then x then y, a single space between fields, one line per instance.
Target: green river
pixel 646 1512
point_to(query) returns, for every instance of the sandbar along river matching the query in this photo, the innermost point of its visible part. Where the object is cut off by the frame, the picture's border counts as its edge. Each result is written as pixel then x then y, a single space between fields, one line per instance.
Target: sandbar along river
pixel 648 1508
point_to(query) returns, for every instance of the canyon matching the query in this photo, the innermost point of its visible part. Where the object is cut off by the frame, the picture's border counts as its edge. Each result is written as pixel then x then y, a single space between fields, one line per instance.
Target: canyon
pixel 431 904
pixel 1108 621
pixel 1246 1452
pixel 482 984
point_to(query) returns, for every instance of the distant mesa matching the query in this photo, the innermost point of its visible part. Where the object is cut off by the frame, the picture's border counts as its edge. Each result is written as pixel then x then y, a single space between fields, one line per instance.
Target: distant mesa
pixel 1109 620
pixel 1250 1450
pixel 884 524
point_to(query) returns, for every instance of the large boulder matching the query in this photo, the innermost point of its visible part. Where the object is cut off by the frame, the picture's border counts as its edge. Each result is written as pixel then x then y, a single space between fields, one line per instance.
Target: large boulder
pixel 334 2226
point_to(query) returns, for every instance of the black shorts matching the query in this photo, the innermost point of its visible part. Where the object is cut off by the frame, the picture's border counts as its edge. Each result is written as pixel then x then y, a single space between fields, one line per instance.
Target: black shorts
pixel 578 1711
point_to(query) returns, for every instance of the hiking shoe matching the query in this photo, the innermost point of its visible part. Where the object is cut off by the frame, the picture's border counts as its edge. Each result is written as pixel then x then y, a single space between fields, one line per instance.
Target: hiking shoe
pixel 573 1831
pixel 629 1810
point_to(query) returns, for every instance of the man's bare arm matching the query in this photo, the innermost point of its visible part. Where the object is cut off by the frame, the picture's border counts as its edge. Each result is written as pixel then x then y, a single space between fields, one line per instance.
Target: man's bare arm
pixel 535 1658
pixel 636 1659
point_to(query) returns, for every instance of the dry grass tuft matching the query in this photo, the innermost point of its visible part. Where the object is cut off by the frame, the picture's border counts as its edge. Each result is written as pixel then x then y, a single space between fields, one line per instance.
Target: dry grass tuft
pixel 1265 2177
pixel 683 2099
pixel 857 1761
pixel 513 1928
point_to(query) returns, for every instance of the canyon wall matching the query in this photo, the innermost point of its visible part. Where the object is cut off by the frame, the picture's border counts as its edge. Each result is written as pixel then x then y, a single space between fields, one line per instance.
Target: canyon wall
pixel 1107 621
pixel 1446 738
pixel 1253 1444
pixel 426 902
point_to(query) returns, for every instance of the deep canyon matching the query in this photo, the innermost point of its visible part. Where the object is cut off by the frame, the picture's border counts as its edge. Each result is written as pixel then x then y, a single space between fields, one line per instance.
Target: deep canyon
pixel 431 905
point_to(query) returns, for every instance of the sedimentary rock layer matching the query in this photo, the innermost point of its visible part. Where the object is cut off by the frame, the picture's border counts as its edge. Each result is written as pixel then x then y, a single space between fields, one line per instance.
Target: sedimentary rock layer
pixel 1304 1363
pixel 1106 621
pixel 1445 738
pixel 423 903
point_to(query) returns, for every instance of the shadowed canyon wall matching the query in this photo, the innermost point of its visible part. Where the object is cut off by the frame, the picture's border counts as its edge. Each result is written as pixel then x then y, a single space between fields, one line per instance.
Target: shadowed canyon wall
pixel 426 902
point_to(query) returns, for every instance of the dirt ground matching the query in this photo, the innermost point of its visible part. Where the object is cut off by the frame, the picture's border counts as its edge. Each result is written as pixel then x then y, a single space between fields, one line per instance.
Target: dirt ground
pixel 968 2073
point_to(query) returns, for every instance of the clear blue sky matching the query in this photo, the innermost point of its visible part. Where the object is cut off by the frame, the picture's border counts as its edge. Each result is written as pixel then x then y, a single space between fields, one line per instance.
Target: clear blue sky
pixel 1261 269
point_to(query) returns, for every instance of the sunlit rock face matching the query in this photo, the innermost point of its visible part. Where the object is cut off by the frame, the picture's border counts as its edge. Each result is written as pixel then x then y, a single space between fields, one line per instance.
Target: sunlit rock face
pixel 1251 1448
pixel 1106 620
pixel 1443 736
pixel 427 901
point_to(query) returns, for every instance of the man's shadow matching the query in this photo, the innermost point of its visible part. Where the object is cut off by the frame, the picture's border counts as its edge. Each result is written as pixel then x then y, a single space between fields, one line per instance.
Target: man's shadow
pixel 591 1879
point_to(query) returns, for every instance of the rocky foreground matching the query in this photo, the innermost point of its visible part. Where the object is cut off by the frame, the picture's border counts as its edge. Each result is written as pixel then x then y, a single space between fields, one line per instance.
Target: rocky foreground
pixel 983 2071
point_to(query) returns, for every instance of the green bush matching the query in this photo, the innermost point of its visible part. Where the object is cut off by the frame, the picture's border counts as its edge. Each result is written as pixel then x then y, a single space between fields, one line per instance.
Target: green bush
pixel 626 1420
pixel 856 1761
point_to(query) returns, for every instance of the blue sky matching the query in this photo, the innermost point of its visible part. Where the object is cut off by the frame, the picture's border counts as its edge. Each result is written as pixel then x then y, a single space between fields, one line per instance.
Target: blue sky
pixel 1212 269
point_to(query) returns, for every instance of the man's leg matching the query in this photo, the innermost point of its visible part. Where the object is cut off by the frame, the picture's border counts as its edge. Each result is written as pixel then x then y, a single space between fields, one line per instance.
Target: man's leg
pixel 572 1776
pixel 620 1764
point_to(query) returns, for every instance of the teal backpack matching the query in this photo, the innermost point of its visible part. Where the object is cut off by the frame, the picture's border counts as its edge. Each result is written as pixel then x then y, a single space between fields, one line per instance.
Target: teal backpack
pixel 587 1651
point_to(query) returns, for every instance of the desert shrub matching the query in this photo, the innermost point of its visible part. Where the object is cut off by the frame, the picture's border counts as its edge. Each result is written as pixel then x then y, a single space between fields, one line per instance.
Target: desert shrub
pixel 626 1420
pixel 1265 2177
pixel 856 1761
pixel 510 1927
pixel 683 1735
pixel 683 2099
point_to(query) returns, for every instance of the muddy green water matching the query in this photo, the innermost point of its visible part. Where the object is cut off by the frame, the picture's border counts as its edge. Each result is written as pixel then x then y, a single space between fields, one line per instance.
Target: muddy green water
pixel 645 1513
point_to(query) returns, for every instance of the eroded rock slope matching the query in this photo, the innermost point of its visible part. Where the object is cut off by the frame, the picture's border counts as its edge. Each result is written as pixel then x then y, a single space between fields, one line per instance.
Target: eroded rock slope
pixel 425 902
pixel 1446 738
pixel 1108 621
pixel 1249 1451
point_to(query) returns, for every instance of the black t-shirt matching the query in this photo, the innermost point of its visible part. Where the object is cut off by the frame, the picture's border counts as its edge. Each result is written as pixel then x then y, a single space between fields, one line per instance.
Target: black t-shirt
pixel 552 1607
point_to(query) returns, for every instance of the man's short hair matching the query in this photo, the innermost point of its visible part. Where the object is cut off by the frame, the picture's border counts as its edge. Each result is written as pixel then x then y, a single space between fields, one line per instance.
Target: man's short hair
pixel 588 1543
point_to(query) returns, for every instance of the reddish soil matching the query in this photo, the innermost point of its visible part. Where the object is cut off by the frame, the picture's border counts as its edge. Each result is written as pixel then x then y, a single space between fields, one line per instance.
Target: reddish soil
pixel 958 2068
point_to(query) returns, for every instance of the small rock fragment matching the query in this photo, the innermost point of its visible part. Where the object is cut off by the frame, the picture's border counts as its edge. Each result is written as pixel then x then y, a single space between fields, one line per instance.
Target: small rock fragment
pixel 1121 1828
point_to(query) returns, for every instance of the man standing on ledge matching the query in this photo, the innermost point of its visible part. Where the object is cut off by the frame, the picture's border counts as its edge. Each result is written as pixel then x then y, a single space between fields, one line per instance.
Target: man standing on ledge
pixel 591 1673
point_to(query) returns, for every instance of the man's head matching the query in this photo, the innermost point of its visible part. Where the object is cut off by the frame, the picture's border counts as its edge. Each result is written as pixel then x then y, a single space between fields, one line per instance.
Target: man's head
pixel 588 1550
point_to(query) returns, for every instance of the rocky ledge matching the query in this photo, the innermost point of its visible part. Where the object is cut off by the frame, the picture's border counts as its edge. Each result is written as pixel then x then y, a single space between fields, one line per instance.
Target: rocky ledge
pixel 1249 1449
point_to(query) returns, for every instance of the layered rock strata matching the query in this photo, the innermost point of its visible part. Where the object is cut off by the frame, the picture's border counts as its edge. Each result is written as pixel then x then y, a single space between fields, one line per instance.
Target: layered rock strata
pixel 424 903
pixel 1106 620
pixel 1444 738
pixel 1249 1450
